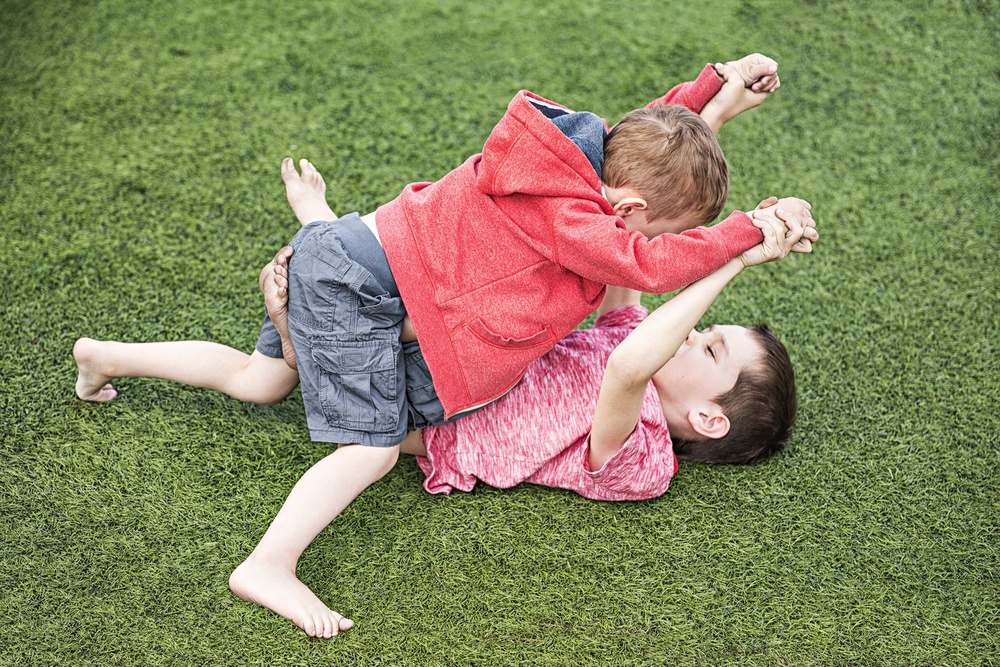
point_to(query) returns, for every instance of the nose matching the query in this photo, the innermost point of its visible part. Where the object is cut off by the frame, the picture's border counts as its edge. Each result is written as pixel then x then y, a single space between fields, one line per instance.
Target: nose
pixel 707 336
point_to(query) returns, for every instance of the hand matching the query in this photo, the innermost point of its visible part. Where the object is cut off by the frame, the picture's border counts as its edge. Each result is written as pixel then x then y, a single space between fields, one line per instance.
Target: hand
pixel 782 230
pixel 800 208
pixel 747 83
pixel 758 73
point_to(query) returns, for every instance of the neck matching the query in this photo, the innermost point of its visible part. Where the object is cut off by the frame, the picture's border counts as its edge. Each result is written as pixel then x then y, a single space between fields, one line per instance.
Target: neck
pixel 673 414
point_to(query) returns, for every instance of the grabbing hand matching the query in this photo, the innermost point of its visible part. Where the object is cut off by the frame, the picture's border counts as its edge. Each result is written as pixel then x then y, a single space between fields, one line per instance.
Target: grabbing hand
pixel 803 212
pixel 783 230
pixel 758 73
pixel 747 83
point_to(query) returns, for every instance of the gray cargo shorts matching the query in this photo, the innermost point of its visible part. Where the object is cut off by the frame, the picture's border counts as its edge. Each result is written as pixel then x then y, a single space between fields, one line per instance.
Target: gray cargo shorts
pixel 359 383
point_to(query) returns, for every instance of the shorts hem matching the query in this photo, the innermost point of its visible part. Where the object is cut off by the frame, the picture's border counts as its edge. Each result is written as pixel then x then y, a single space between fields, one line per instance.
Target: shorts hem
pixel 357 438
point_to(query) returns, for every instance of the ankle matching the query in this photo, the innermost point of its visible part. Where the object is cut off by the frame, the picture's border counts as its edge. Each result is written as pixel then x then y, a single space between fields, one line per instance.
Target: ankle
pixel 272 561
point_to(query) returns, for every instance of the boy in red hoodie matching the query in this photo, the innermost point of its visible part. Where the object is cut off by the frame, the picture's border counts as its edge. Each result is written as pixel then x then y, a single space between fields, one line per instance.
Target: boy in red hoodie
pixel 495 262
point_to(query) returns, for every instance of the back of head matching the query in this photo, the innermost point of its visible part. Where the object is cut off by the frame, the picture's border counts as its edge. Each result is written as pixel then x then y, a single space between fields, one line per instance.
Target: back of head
pixel 761 408
pixel 669 155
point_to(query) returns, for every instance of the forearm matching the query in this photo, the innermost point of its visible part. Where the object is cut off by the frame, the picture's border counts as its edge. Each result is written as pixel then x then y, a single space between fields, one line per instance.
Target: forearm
pixel 713 114
pixel 659 336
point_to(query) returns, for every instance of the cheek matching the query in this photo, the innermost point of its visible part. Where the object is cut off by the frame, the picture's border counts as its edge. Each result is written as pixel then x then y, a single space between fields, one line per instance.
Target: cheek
pixel 690 373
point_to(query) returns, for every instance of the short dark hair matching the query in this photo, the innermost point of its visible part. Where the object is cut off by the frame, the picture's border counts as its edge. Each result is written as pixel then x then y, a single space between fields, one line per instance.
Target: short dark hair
pixel 761 408
pixel 671 157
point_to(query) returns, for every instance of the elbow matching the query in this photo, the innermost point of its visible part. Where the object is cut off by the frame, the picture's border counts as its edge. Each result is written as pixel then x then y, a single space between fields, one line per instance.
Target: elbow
pixel 626 370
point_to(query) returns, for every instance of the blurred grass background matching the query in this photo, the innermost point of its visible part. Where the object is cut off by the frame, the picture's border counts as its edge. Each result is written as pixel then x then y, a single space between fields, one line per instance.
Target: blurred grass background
pixel 140 195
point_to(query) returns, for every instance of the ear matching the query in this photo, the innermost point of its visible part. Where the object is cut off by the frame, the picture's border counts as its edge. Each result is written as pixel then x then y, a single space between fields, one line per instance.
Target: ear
pixel 709 422
pixel 627 205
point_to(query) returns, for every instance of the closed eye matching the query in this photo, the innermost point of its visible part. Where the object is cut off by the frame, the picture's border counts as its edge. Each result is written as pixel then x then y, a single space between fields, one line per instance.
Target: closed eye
pixel 711 351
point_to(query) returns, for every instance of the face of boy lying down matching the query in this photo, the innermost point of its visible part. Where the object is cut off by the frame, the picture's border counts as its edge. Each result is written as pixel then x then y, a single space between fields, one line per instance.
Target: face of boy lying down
pixel 705 366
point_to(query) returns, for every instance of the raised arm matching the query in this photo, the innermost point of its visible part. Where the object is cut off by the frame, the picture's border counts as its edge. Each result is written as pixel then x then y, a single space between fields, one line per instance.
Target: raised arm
pixel 648 348
pixel 693 94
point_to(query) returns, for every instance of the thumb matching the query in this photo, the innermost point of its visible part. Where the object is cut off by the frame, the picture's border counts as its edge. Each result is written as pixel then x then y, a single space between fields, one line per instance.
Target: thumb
pixel 761 68
pixel 727 71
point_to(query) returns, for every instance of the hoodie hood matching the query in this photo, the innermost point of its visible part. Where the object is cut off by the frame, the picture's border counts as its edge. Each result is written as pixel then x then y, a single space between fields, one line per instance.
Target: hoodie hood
pixel 527 142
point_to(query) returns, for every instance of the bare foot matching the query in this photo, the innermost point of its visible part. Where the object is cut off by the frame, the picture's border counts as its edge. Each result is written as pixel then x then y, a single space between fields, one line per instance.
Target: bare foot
pixel 306 193
pixel 278 589
pixel 91 383
pixel 274 284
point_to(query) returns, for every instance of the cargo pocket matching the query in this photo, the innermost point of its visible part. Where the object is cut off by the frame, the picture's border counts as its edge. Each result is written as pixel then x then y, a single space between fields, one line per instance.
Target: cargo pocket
pixel 424 406
pixel 358 388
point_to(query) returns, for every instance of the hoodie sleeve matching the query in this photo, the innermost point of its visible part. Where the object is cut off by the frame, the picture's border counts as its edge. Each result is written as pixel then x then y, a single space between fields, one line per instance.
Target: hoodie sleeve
pixel 694 94
pixel 592 245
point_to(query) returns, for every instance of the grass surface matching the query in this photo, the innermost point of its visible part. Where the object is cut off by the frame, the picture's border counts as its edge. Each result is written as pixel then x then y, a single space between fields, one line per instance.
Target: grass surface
pixel 139 196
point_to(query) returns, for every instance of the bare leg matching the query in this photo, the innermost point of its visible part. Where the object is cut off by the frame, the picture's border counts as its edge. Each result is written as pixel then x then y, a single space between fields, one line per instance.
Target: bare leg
pixel 306 193
pixel 414 444
pixel 254 378
pixel 267 577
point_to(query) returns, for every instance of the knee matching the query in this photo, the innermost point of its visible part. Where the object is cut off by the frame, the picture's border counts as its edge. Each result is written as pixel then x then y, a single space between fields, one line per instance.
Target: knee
pixel 390 455
pixel 381 459
pixel 272 397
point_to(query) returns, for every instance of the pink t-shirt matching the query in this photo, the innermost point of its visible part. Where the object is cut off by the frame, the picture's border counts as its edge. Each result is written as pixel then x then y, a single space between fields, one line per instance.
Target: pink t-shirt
pixel 539 432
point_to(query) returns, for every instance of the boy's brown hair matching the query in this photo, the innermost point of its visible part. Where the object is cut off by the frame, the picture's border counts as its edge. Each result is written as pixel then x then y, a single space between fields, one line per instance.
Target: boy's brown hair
pixel 761 408
pixel 671 157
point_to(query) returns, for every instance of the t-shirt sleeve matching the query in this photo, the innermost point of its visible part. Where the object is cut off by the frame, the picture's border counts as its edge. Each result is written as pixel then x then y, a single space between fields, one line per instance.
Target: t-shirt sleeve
pixel 641 469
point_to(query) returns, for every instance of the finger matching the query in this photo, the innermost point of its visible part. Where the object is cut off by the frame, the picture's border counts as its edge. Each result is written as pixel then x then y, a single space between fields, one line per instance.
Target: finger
pixel 792 224
pixel 810 234
pixel 727 71
pixel 764 86
pixel 766 214
pixel 762 68
pixel 770 201
pixel 791 218
pixel 771 228
pixel 804 246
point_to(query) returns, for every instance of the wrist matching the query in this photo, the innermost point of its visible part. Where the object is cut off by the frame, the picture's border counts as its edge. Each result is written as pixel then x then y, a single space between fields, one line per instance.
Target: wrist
pixel 712 114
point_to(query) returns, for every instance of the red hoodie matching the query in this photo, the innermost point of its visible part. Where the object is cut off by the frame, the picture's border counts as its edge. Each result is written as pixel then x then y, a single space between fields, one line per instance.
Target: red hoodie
pixel 508 253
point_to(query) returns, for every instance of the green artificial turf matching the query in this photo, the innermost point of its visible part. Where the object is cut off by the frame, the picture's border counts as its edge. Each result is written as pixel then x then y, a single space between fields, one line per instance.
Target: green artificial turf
pixel 140 195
